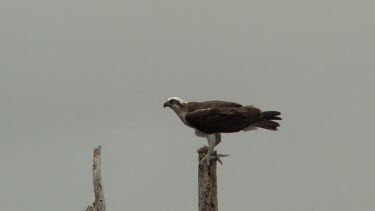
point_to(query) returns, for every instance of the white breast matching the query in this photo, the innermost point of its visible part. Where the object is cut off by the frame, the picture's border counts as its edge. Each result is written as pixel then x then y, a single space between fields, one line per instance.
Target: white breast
pixel 181 115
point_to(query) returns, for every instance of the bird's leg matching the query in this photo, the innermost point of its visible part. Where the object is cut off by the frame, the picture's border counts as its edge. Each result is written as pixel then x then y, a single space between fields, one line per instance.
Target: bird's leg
pixel 217 141
pixel 211 139
pixel 217 138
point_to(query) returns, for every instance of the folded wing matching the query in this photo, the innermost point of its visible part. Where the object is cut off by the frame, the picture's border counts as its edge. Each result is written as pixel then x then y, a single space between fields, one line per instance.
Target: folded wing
pixel 223 119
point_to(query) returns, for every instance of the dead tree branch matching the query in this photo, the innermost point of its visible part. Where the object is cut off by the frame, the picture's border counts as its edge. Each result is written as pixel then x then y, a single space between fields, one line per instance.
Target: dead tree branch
pixel 99 204
pixel 207 184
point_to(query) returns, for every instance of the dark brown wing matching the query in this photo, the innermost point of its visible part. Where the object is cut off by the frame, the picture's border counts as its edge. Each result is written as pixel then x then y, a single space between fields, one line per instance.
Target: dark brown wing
pixel 223 119
pixel 193 106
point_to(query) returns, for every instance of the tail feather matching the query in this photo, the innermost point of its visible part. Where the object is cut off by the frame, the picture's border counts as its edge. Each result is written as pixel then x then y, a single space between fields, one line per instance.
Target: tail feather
pixel 271 115
pixel 275 118
pixel 266 122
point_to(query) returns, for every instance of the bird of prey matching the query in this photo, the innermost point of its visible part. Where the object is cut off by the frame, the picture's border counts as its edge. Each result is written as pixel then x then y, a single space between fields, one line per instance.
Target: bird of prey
pixel 211 118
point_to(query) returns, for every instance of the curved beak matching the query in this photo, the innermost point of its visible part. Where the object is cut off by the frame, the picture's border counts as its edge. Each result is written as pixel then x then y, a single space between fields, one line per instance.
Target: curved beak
pixel 166 104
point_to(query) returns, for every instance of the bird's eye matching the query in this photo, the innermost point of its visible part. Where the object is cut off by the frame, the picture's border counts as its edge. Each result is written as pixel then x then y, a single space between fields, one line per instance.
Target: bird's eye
pixel 172 101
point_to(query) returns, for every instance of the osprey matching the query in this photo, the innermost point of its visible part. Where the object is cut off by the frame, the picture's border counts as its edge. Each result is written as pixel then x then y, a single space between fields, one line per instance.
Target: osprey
pixel 211 118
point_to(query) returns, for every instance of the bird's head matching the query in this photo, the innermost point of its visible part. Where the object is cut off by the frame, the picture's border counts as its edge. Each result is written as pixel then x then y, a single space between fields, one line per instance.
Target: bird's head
pixel 175 103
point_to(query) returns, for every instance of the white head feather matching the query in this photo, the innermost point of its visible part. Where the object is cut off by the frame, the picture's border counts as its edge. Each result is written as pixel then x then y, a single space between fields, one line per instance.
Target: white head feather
pixel 178 99
pixel 179 108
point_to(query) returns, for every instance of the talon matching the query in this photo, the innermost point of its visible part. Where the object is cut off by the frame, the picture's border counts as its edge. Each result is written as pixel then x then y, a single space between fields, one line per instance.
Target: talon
pixel 219 160
pixel 222 155
pixel 209 157
pixel 218 156
pixel 206 158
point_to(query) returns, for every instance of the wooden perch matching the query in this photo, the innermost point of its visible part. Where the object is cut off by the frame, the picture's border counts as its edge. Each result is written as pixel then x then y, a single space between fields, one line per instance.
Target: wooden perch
pixel 99 204
pixel 207 183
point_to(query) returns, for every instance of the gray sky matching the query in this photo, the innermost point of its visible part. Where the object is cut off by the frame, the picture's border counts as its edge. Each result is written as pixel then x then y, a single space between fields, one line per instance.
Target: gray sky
pixel 76 74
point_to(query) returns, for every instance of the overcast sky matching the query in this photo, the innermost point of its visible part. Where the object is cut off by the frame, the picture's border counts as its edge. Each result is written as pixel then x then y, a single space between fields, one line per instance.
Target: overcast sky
pixel 77 74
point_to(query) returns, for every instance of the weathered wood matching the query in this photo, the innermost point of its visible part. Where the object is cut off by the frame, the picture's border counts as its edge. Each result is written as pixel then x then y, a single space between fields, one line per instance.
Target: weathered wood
pixel 99 204
pixel 90 208
pixel 207 184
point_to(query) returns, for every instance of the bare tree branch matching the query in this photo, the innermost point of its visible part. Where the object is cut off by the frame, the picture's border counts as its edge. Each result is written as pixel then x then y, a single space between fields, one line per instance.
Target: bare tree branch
pixel 99 204
pixel 207 184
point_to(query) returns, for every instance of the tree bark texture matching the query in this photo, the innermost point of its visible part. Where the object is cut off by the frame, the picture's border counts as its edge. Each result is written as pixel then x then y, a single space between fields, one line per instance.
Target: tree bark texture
pixel 207 184
pixel 99 204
